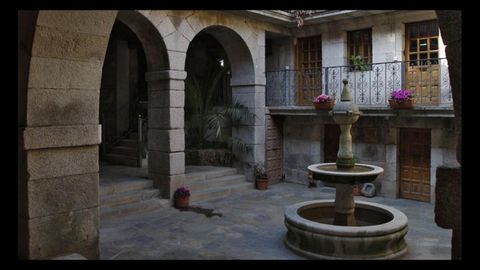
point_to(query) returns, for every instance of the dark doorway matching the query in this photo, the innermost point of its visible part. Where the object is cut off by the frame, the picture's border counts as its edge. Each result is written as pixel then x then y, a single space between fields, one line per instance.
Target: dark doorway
pixel 207 89
pixel 331 143
pixel 123 99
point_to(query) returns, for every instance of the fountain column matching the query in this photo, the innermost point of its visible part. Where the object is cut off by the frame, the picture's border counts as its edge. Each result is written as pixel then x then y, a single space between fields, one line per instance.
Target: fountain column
pixel 345 113
pixel 344 206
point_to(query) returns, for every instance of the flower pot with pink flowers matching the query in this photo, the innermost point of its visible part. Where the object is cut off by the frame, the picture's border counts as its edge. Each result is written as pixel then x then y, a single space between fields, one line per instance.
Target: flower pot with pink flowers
pixel 182 197
pixel 323 102
pixel 401 99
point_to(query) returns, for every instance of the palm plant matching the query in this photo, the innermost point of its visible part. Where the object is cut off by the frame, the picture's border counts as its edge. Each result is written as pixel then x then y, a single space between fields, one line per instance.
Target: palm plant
pixel 205 120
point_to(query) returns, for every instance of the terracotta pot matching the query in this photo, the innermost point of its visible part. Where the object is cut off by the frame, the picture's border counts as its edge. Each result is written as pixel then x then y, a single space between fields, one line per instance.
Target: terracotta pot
pixel 357 191
pixel 182 202
pixel 404 105
pixel 261 184
pixel 325 105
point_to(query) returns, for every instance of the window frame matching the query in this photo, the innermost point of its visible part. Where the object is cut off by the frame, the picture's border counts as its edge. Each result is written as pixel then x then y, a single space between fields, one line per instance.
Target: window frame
pixel 359 46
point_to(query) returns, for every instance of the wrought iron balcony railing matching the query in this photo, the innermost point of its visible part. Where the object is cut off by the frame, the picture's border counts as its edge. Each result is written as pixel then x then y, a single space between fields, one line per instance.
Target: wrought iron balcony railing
pixel 370 86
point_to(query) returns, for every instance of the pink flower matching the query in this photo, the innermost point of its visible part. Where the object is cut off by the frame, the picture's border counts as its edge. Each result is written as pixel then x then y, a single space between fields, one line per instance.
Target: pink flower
pixel 402 95
pixel 321 99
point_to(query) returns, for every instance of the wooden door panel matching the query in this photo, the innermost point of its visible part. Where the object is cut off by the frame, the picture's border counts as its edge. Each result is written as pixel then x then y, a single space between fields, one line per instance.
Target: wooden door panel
pixel 274 149
pixel 415 164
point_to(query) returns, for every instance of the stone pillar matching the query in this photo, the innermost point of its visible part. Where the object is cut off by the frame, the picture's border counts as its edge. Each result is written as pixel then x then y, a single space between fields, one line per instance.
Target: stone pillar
pixel 252 133
pixel 448 206
pixel 166 136
pixel 448 194
pixel 60 135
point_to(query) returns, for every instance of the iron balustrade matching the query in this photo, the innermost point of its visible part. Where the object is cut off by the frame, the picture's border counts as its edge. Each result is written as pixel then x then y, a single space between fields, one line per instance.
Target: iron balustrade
pixel 371 87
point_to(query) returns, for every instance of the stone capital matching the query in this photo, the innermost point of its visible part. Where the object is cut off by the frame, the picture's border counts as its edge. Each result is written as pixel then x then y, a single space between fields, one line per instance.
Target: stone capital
pixel 165 75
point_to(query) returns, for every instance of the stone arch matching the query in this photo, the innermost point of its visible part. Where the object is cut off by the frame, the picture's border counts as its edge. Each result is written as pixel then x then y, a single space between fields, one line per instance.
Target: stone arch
pixel 59 132
pixel 244 90
pixel 150 38
pixel 240 57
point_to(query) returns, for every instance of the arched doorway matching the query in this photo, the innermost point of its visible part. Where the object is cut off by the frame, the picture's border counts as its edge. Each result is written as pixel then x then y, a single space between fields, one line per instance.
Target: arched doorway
pixel 245 91
pixel 208 127
pixel 220 113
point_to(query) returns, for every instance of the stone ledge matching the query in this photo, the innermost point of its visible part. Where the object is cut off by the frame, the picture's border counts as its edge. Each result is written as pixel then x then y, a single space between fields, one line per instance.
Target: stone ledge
pixel 73 256
pixel 61 136
pixel 380 111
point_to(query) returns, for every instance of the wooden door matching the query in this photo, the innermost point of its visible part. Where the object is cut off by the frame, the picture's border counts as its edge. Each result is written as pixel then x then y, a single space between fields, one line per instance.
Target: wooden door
pixel 415 164
pixel 422 69
pixel 331 143
pixel 308 74
pixel 274 149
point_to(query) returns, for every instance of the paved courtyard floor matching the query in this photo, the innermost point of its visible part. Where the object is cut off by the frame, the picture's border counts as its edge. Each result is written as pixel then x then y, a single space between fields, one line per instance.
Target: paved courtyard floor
pixel 248 226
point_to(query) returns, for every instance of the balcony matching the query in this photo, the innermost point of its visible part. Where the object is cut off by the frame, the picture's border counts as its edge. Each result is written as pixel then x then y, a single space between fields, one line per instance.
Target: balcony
pixel 370 87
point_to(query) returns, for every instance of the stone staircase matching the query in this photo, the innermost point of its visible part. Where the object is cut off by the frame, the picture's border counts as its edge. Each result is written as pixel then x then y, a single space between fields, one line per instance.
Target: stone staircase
pixel 130 192
pixel 214 183
pixel 118 199
pixel 125 152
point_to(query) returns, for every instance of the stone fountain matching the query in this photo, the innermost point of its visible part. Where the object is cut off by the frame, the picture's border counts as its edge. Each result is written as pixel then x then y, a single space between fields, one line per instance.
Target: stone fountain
pixel 341 228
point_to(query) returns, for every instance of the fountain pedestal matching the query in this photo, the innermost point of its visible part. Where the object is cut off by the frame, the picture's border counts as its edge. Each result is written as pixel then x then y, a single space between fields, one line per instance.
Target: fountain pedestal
pixel 344 206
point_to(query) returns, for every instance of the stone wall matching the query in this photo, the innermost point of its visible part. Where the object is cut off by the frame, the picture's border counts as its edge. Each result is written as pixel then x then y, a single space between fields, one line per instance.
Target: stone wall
pixel 302 146
pixel 375 141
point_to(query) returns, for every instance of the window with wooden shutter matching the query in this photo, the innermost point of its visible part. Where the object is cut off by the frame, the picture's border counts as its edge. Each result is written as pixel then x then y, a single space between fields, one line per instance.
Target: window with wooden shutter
pixel 308 75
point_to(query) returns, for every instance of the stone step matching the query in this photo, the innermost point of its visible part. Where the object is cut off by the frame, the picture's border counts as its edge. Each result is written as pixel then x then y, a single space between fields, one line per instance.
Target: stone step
pixel 219 192
pixel 125 151
pixel 107 212
pixel 199 184
pixel 133 136
pixel 120 159
pixel 213 173
pixel 128 143
pixel 129 197
pixel 124 186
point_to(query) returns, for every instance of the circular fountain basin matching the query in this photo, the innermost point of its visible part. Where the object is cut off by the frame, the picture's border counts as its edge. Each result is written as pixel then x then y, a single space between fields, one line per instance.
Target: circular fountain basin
pixel 360 173
pixel 379 233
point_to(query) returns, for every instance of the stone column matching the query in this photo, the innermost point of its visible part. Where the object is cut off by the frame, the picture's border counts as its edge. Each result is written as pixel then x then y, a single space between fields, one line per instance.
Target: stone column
pixel 252 133
pixel 448 203
pixel 166 136
pixel 345 153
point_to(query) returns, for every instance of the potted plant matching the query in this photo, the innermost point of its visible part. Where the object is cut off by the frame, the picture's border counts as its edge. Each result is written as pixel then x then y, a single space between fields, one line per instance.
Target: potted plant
pixel 261 179
pixel 401 99
pixel 358 64
pixel 323 102
pixel 357 190
pixel 182 197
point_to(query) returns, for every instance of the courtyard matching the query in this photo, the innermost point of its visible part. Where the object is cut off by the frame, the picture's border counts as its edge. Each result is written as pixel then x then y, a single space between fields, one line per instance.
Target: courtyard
pixel 248 226
pixel 220 100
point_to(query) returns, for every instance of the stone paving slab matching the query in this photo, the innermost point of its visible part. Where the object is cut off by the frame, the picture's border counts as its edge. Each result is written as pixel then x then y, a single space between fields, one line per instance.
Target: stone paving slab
pixel 251 227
